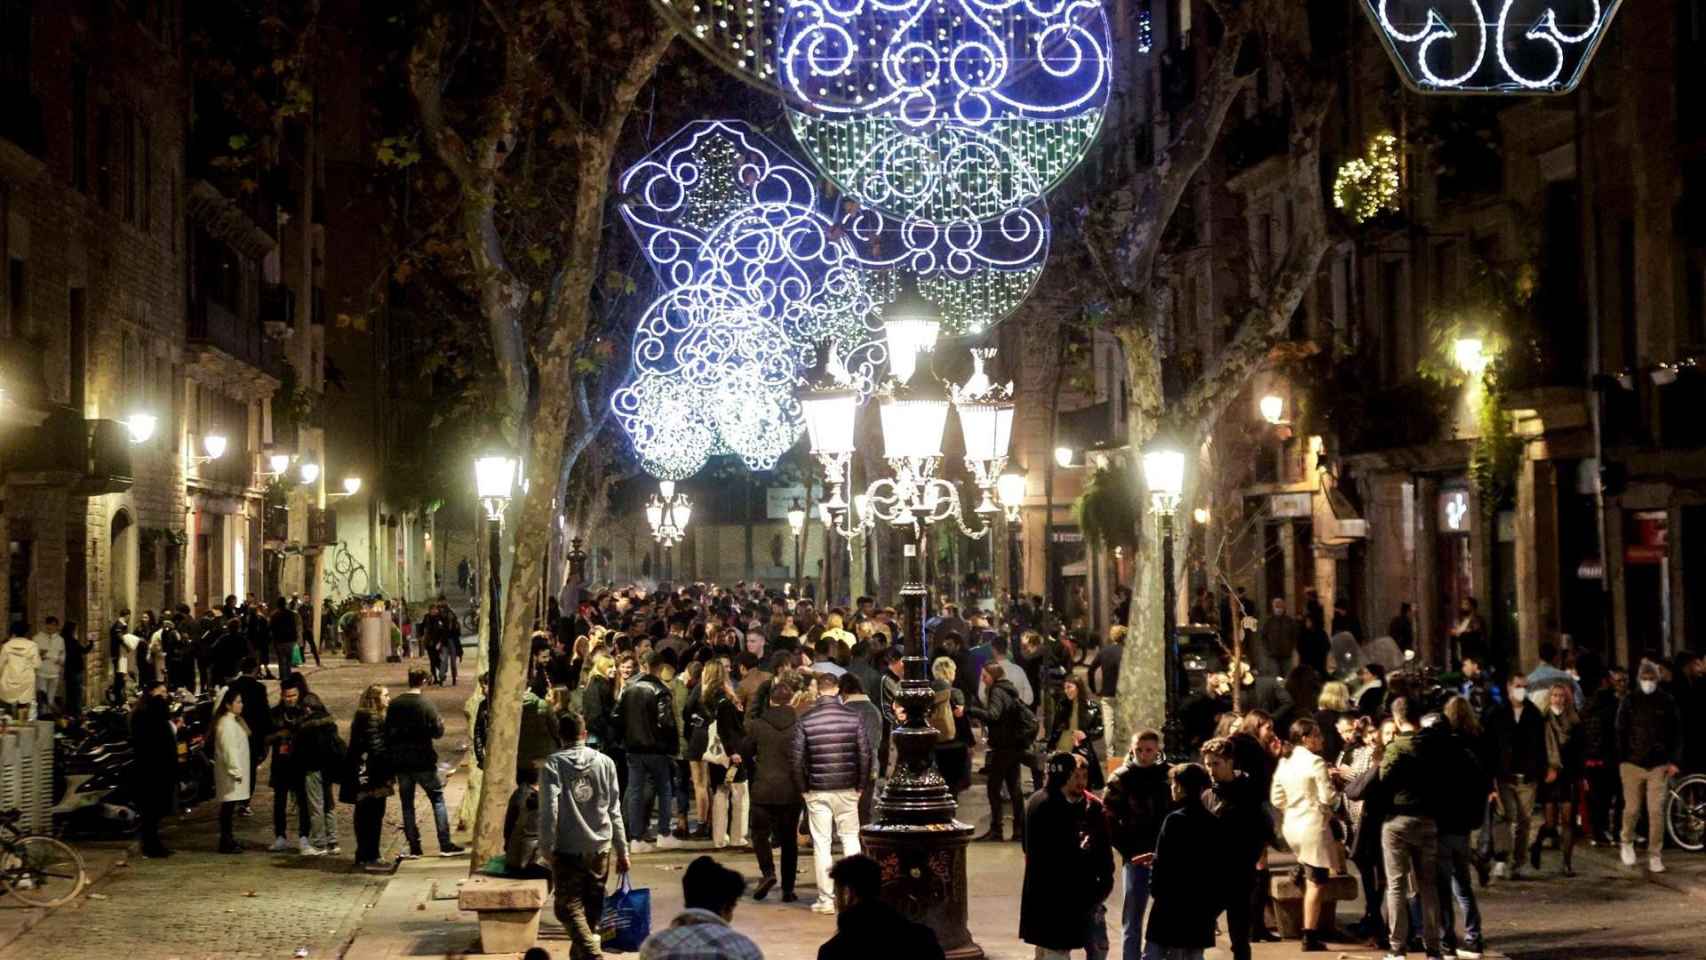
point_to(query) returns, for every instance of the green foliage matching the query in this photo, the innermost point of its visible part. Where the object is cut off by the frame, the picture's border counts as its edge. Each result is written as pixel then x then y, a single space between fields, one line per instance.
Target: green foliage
pixel 1107 510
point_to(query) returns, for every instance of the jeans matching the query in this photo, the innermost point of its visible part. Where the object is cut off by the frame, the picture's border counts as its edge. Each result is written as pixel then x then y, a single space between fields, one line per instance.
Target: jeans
pixel 1156 951
pixel 1003 769
pixel 777 821
pixel 1096 940
pixel 831 813
pixel 578 899
pixel 1131 913
pixel 1646 783
pixel 281 808
pixel 227 810
pixel 1408 844
pixel 657 772
pixel 1455 888
pixel 1605 792
pixel 321 810
pixel 369 828
pixel 1243 902
pixel 1517 799
pixel 427 780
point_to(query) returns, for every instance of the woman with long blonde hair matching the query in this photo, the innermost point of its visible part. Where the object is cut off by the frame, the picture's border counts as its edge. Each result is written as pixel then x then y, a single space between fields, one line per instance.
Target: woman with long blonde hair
pixel 369 781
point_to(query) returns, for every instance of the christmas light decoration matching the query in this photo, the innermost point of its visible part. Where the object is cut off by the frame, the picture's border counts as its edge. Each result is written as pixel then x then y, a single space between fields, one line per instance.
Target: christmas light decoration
pixel 1367 186
pixel 1537 46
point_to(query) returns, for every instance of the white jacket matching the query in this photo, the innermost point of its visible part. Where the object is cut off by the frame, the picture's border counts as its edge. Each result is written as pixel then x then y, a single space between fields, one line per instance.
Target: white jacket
pixel 52 647
pixel 1304 792
pixel 231 759
pixel 19 658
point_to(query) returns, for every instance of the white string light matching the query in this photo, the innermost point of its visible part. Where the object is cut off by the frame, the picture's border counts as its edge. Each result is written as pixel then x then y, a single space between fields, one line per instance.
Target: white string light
pixel 1447 52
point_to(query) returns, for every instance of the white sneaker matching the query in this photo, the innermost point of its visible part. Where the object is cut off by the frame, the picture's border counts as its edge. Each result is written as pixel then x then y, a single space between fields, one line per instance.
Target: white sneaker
pixel 827 907
pixel 306 849
pixel 666 842
pixel 1655 864
pixel 1628 854
pixel 1466 953
pixel 639 846
pixel 1501 870
pixel 280 845
pixel 1394 956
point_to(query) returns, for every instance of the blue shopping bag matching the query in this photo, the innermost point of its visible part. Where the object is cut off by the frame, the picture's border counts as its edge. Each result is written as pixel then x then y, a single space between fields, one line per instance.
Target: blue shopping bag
pixel 627 920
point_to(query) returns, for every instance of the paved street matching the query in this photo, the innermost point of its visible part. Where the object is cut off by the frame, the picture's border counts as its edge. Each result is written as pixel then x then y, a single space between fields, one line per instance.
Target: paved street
pixel 257 906
pixel 200 906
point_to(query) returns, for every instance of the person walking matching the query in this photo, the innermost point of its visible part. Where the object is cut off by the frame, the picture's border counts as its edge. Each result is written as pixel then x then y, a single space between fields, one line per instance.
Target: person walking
pixel 1411 773
pixel 1599 749
pixel 727 769
pixel 1650 741
pixel 830 759
pixel 1517 746
pixel 1305 793
pixel 1276 641
pixel 233 777
pixel 947 716
pixel 1136 801
pixel 282 635
pixel 286 774
pixel 412 724
pixel 1462 808
pixel 645 715
pixel 1010 728
pixel 1563 778
pixel 580 818
pixel 1182 878
pixel 709 894
pixel 367 781
pixel 776 799
pixel 865 926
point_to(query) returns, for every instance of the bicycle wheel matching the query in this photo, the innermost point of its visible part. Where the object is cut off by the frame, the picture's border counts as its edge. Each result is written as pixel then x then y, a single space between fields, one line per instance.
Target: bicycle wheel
pixel 1685 813
pixel 41 871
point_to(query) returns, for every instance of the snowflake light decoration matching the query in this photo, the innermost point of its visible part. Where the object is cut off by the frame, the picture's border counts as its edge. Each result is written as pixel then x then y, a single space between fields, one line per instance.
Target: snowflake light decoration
pixel 1491 46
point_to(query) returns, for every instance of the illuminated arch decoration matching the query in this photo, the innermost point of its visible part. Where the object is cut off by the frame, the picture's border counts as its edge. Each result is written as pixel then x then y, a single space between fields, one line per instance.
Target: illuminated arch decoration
pixel 950 110
pixel 1491 46
pixel 712 374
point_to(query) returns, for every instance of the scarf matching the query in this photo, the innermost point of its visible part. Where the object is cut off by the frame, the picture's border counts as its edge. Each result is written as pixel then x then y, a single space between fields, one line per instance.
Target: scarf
pixel 1559 727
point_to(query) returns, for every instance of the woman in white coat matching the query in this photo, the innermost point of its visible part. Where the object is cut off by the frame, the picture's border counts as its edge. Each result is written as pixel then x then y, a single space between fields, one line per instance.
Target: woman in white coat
pixel 1303 790
pixel 231 770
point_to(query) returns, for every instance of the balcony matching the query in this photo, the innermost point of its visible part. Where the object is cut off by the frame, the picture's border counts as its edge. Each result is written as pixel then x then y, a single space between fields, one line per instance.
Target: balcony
pixel 213 326
pixel 276 528
pixel 322 527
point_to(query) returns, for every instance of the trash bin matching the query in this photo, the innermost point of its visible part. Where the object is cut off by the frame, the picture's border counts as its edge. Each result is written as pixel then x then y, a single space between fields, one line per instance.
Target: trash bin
pixel 372 637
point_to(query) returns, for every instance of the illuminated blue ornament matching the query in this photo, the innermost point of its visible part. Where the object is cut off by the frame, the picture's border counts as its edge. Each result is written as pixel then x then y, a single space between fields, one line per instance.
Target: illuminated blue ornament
pixel 947 110
pixel 1491 46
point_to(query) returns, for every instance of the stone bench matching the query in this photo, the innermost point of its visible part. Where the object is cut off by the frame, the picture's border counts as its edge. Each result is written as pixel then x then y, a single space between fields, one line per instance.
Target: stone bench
pixel 508 910
pixel 1287 895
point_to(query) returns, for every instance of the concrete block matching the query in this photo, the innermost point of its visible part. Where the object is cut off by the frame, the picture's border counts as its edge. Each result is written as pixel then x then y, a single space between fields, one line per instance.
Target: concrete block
pixel 498 893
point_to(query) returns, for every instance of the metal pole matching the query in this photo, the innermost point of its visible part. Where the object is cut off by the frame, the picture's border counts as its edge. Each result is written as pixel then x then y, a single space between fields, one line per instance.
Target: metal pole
pixel 494 611
pixel 1172 730
pixel 1013 559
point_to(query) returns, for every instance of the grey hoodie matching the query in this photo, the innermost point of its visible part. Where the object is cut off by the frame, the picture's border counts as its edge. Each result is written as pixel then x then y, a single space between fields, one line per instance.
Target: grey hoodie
pixel 580 804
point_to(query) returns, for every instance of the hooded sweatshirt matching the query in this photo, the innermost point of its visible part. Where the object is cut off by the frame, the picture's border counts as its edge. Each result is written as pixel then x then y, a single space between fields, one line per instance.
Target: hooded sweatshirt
pixel 580 804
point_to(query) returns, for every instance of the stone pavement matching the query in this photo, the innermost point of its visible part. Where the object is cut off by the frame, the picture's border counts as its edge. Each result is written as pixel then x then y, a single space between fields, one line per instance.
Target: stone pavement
pixel 254 906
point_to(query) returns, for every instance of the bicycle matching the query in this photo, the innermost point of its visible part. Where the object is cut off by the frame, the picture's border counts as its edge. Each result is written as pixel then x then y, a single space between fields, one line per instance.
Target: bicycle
pixel 39 871
pixel 1685 811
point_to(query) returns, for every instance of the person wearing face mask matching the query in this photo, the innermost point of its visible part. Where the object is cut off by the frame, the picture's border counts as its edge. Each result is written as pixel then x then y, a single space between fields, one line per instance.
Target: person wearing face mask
pixel 1516 735
pixel 1650 741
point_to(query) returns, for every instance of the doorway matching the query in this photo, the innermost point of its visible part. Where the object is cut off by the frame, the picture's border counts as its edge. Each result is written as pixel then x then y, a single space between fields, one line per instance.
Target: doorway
pixel 122 563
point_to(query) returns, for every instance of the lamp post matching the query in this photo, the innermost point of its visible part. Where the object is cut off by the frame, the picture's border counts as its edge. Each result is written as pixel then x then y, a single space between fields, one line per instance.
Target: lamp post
pixel 1164 475
pixel 494 481
pixel 1010 491
pixel 797 523
pixel 668 513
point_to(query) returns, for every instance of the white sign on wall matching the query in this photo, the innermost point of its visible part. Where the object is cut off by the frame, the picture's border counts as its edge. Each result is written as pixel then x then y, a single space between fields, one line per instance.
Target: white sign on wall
pixel 1454 513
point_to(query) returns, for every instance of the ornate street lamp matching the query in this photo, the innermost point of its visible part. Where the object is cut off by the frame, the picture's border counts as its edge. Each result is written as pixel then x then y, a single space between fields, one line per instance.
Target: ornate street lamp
pixel 668 512
pixel 797 523
pixel 1164 476
pixel 1010 491
pixel 494 481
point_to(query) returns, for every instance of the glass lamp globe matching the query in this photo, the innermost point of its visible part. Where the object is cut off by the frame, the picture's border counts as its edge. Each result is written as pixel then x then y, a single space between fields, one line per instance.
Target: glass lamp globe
pixel 494 476
pixel 213 445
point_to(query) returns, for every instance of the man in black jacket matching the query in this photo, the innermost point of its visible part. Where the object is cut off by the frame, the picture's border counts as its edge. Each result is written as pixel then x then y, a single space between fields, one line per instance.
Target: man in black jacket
pixel 866 926
pixel 830 760
pixel 412 723
pixel 1135 803
pixel 1237 803
pixel 1516 744
pixel 281 631
pixel 154 742
pixel 1010 728
pixel 1650 742
pixel 645 715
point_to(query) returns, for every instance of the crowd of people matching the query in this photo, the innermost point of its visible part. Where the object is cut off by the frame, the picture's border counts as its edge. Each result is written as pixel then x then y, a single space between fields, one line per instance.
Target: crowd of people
pixel 756 722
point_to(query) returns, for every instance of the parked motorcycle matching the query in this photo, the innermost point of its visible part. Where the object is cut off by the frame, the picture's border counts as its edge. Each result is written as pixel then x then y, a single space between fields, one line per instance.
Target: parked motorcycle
pixel 94 768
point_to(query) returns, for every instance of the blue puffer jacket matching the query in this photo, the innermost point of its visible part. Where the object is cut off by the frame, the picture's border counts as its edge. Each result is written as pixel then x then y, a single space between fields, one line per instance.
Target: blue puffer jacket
pixel 831 750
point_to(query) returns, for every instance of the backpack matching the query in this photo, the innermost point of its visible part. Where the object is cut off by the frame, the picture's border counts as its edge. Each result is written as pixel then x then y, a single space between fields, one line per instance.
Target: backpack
pixel 1024 722
pixel 663 720
pixel 942 716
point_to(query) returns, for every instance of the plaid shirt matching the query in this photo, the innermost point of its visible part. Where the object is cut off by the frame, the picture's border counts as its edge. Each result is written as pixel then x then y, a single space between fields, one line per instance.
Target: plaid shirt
pixel 699 935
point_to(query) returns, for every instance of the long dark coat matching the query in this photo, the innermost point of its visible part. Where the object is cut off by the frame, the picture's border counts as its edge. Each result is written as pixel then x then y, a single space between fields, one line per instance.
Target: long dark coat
pixel 1063 880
